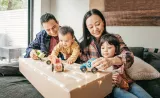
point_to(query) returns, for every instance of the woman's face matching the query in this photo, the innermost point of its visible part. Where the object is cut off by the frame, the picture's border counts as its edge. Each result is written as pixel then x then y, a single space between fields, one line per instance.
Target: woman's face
pixel 95 26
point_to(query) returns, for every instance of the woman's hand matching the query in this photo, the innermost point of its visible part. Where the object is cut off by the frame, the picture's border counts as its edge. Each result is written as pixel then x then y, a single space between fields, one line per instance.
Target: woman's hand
pixel 33 54
pixel 101 63
pixel 116 78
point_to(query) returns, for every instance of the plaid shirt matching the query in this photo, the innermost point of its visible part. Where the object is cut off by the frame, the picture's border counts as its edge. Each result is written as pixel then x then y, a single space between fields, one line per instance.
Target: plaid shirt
pixel 127 58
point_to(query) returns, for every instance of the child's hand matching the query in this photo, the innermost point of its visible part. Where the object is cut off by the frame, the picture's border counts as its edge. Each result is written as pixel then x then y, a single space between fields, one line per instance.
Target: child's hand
pixel 52 58
pixel 70 61
pixel 101 63
pixel 33 54
pixel 116 78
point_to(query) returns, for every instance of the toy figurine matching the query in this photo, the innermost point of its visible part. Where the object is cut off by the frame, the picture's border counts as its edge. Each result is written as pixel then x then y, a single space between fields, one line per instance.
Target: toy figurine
pixel 58 66
pixel 40 54
pixel 88 66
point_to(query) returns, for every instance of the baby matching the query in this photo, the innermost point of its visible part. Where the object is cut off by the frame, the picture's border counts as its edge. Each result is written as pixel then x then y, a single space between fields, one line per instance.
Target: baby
pixel 67 45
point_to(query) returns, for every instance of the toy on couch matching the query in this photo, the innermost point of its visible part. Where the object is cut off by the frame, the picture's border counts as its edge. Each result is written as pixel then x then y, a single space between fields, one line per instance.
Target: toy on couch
pixel 88 66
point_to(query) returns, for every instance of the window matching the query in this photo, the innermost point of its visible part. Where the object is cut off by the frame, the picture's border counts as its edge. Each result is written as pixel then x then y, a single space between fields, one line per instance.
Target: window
pixel 13 27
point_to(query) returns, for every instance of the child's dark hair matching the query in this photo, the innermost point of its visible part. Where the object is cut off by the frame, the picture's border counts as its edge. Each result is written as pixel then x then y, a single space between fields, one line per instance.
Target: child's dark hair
pixel 46 17
pixel 65 30
pixel 112 40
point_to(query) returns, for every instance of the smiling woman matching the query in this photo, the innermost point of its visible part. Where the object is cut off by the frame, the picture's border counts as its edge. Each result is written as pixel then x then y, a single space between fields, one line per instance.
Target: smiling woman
pixel 94 28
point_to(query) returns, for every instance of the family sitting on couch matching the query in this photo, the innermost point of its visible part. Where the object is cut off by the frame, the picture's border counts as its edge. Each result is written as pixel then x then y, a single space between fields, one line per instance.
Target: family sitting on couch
pixel 108 49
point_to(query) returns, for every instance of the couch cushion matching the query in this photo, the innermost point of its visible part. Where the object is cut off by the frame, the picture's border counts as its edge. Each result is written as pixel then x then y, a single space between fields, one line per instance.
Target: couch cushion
pixel 156 64
pixel 137 51
pixel 141 70
pixel 154 56
pixel 151 86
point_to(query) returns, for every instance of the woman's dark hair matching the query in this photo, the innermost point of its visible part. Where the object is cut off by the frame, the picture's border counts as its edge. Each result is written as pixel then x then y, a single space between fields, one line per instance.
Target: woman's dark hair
pixel 112 40
pixel 46 17
pixel 65 30
pixel 86 38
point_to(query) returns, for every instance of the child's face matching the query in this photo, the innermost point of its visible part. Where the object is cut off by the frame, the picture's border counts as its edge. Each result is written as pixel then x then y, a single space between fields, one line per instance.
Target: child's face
pixel 107 50
pixel 65 40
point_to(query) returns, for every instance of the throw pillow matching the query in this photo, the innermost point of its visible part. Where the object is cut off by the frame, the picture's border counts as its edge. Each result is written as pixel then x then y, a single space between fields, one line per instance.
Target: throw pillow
pixel 141 70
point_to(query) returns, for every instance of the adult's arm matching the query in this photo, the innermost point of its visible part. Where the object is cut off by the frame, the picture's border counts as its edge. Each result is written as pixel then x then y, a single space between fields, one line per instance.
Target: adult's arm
pixel 126 56
pixel 35 44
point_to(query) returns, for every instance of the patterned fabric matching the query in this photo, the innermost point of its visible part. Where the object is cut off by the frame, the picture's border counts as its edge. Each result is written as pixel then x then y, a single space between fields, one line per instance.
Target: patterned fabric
pixel 122 73
pixel 71 53
pixel 92 52
pixel 41 42
pixel 127 58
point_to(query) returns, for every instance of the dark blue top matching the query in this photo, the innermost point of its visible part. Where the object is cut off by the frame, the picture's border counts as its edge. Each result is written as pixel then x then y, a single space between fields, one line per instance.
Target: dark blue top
pixel 41 42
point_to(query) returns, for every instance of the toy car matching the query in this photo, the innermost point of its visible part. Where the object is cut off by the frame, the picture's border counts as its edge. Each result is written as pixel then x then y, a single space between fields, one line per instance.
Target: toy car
pixel 58 66
pixel 40 54
pixel 48 62
pixel 88 66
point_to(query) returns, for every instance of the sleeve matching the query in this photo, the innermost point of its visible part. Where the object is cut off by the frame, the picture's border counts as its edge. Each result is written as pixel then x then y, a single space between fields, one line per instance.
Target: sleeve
pixel 76 51
pixel 126 55
pixel 33 45
pixel 124 84
pixel 56 50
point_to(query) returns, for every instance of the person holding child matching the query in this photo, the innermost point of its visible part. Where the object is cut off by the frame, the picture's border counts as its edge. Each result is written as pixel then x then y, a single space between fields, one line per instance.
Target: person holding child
pixel 124 87
pixel 67 45
pixel 94 27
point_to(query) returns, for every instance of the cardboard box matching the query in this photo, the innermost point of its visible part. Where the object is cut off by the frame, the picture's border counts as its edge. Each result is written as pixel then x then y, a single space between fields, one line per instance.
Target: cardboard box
pixel 71 83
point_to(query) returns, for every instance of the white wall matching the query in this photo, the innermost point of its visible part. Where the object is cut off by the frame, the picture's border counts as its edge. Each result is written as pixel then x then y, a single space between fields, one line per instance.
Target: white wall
pixel 146 36
pixel 40 7
pixel 71 13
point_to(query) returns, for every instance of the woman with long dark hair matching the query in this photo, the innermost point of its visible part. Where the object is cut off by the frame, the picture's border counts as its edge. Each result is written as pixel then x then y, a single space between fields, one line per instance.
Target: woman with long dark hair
pixel 94 27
